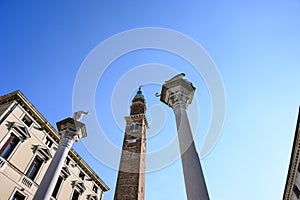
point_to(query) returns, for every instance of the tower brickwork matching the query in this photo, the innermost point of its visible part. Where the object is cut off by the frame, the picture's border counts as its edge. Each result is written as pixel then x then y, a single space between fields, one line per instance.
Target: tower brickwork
pixel 131 176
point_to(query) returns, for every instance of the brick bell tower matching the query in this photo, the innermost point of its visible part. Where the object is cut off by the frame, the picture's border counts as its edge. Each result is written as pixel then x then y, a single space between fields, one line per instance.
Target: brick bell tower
pixel 131 177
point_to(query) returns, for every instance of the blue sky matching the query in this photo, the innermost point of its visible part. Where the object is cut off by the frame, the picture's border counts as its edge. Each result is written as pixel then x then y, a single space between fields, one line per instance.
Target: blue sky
pixel 255 46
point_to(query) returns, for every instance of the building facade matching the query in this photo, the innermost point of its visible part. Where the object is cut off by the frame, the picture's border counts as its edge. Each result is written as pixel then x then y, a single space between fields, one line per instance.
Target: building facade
pixel 131 176
pixel 292 187
pixel 27 145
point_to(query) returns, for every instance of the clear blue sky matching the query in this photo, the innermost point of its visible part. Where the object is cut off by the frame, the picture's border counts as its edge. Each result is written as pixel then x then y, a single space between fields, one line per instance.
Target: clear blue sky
pixel 255 45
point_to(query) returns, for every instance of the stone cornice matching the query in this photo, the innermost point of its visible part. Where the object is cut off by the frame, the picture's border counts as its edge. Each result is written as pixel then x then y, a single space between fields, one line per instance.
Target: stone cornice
pixel 136 117
pixel 177 91
pixel 42 151
pixel 293 163
pixel 22 130
pixel 30 108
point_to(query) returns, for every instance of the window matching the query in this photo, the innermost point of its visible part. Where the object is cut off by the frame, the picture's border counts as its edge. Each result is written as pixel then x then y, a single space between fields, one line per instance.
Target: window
pixel 57 186
pixel 81 176
pixel 75 195
pixel 18 196
pixel 78 189
pixel 20 129
pixel 48 142
pixel 9 146
pixel 93 198
pixel 296 191
pixel 34 168
pixel 27 120
pixel 95 189
pixel 67 161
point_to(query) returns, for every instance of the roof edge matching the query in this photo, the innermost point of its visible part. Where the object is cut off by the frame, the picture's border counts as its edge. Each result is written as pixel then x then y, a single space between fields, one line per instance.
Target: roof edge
pixel 294 159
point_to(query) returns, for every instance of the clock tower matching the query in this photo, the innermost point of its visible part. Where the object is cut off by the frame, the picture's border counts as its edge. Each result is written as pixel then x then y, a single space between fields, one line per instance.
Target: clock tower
pixel 131 176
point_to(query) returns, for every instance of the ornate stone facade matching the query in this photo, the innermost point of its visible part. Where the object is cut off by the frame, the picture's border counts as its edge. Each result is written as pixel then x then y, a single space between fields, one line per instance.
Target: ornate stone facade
pixel 28 143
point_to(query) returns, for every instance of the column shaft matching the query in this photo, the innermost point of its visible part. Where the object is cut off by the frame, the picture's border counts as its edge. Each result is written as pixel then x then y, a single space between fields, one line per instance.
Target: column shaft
pixel 192 170
pixel 49 180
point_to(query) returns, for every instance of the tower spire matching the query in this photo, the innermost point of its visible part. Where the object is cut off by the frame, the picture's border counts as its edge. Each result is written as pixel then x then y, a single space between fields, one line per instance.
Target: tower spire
pixel 138 105
pixel 139 93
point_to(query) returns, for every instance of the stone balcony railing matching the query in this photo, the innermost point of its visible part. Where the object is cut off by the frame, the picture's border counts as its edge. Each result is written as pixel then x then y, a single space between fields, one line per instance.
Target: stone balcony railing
pixel 26 182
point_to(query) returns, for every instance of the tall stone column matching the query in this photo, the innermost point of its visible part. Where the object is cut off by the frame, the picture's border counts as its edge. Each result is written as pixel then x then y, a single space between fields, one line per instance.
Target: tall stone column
pixel 70 131
pixel 178 93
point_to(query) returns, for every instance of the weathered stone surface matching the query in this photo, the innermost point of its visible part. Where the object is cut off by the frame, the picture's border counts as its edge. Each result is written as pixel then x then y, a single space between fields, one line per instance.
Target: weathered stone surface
pixel 131 176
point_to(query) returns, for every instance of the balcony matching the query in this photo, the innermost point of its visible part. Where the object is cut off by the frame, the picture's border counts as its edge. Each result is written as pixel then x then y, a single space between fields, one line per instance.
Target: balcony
pixel 26 182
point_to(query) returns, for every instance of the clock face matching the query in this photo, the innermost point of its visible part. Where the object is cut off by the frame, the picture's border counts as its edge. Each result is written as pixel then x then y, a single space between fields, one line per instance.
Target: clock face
pixel 135 128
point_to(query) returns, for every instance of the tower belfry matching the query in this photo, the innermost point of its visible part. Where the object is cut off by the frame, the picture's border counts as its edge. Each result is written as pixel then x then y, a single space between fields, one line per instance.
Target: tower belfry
pixel 131 176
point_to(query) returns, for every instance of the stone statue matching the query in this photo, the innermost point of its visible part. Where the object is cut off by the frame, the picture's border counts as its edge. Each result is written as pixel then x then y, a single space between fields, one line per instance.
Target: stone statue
pixel 178 76
pixel 79 115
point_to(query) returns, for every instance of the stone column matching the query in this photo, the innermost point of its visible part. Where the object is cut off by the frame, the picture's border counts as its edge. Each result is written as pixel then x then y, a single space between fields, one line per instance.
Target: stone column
pixel 70 131
pixel 178 93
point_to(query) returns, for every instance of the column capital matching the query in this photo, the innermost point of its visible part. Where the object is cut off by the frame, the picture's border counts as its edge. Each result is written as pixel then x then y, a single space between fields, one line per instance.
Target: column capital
pixel 69 134
pixel 71 128
pixel 177 92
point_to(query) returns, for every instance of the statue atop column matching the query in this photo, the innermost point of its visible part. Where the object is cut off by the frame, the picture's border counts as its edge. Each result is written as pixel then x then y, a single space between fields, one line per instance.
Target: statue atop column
pixel 178 94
